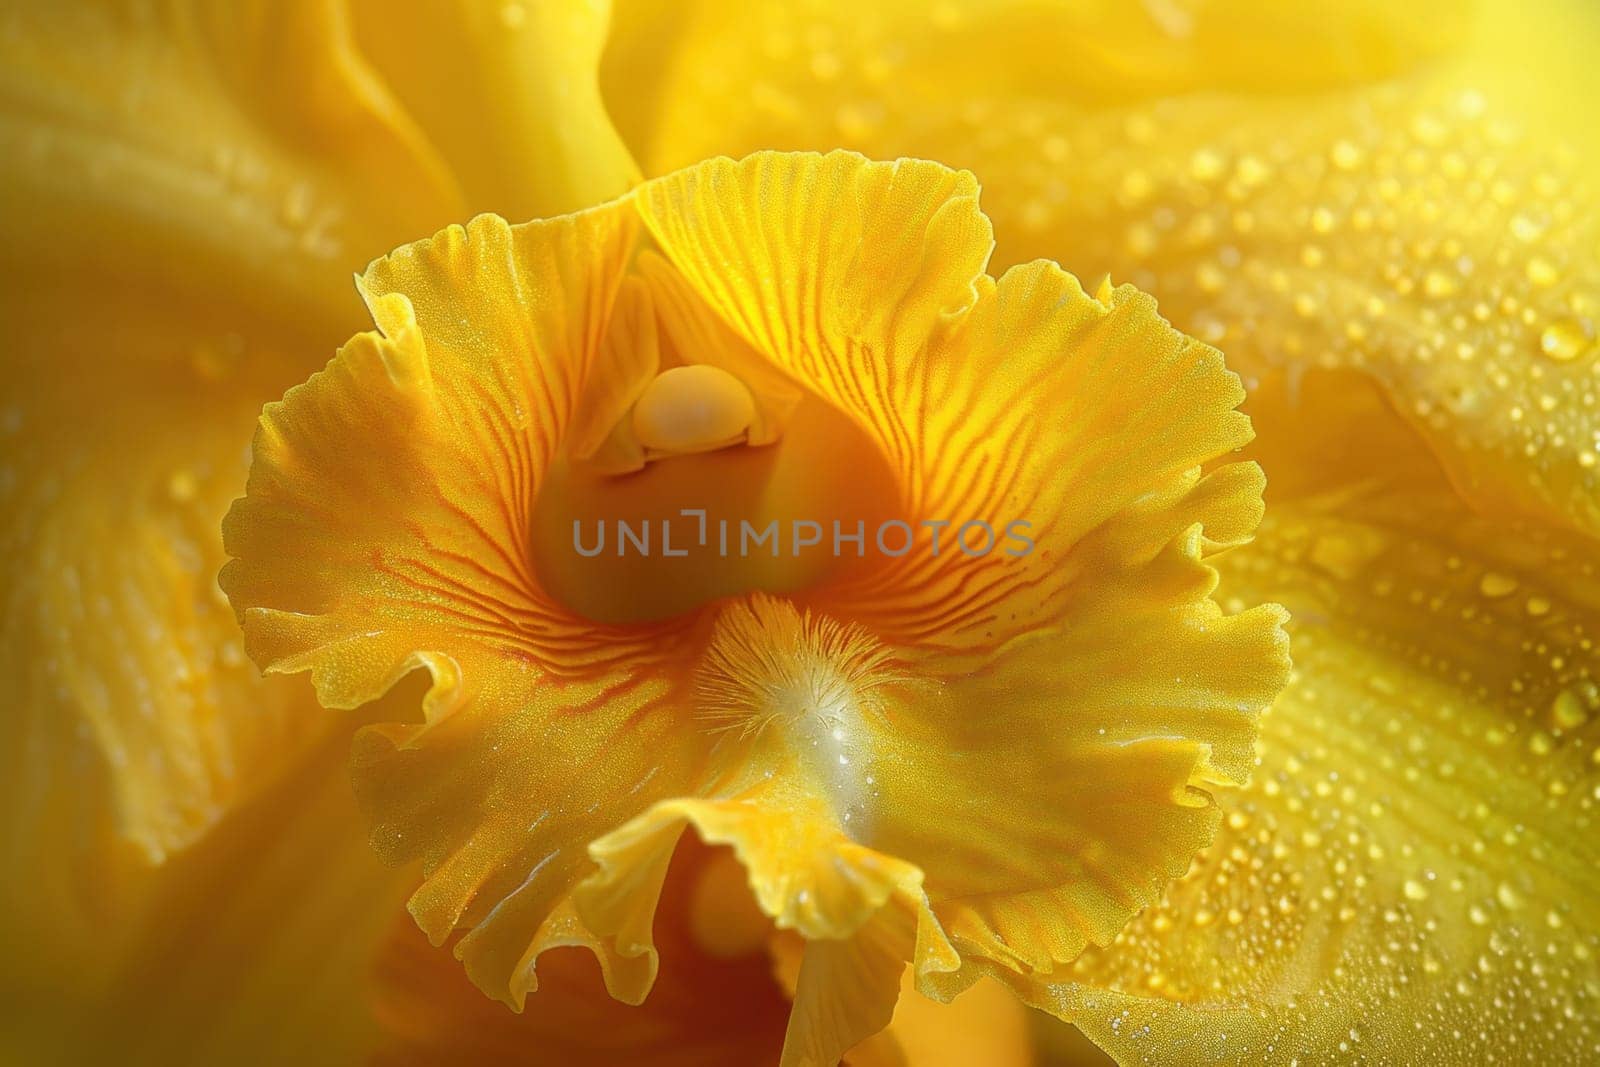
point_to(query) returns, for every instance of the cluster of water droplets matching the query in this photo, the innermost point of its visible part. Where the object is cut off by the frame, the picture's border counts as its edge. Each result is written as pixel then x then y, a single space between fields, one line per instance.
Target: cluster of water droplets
pixel 1415 232
pixel 1420 835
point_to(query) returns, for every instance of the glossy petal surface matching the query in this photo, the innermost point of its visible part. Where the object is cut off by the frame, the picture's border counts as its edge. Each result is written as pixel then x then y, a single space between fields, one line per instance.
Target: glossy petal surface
pixel 1416 854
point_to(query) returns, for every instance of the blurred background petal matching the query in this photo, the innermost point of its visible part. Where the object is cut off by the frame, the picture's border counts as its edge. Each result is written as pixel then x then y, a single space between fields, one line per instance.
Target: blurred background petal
pixel 186 189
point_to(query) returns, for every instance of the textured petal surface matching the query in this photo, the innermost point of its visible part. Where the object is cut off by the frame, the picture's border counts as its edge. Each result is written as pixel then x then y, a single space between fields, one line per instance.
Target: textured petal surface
pixel 272 147
pixel 222 150
pixel 707 1008
pixel 1406 879
pixel 1408 876
pixel 784 802
pixel 1418 232
pixel 715 1002
pixel 386 529
pixel 819 73
pixel 138 178
pixel 1097 659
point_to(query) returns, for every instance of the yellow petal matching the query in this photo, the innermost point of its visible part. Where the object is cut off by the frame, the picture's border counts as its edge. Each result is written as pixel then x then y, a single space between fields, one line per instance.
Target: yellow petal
pixel 985 1027
pixel 808 257
pixel 204 178
pixel 507 91
pixel 698 336
pixel 1037 836
pixel 487 335
pixel 270 147
pixel 660 329
pixel 256 944
pixel 136 721
pixel 1415 232
pixel 706 1009
pixel 1111 467
pixel 733 79
pixel 862 912
pixel 709 1006
pixel 139 179
pixel 243 149
pixel 1110 482
pixel 629 357
pixel 846 991
pixel 386 529
pixel 1406 878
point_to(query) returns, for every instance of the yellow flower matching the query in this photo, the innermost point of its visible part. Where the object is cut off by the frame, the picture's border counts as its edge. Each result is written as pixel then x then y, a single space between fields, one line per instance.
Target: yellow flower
pixel 1368 207
pixel 970 758
pixel 208 172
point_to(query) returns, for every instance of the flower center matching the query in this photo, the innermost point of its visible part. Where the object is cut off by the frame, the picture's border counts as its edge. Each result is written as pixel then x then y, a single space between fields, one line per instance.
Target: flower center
pixel 705 520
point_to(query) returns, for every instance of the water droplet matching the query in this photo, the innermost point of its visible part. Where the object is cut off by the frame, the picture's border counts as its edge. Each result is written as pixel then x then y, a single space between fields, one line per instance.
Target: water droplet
pixel 1135 186
pixel 1542 272
pixel 1346 155
pixel 1495 584
pixel 1207 165
pixel 1253 171
pixel 1437 283
pixel 296 208
pixel 1429 130
pixel 1141 240
pixel 1568 711
pixel 1035 214
pixel 1564 340
pixel 1141 129
pixel 1526 228
pixel 182 486
pixel 826 66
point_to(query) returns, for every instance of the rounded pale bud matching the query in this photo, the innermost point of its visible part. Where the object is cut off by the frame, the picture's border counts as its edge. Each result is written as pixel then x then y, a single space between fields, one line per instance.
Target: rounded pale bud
pixel 693 409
